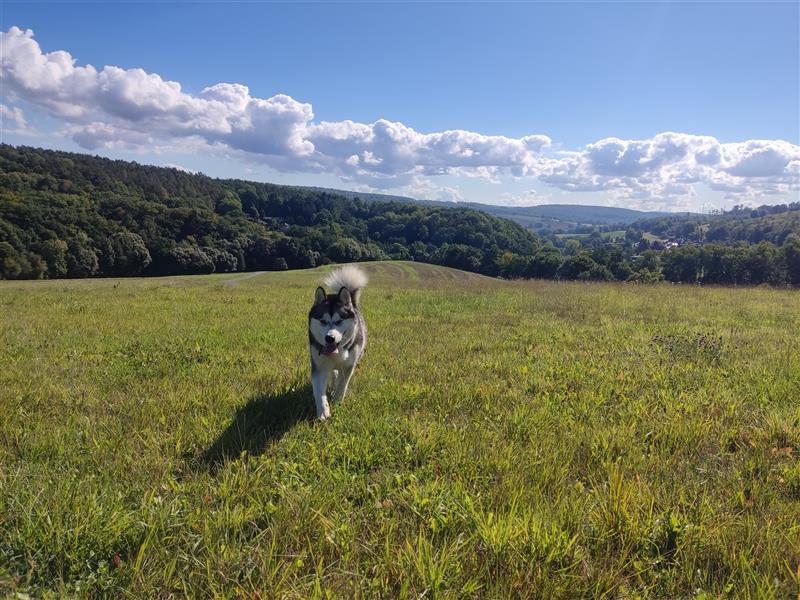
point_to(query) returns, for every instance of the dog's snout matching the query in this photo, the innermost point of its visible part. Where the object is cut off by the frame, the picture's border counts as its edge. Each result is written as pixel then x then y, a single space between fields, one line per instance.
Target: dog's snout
pixel 330 339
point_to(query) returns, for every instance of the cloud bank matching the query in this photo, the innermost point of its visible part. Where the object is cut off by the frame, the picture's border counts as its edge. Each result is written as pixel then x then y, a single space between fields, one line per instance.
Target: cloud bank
pixel 130 108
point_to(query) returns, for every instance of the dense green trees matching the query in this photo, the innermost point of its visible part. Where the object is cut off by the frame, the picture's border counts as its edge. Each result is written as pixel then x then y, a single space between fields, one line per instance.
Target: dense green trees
pixel 74 215
pixel 741 224
pixel 740 264
pixel 125 254
pixel 790 256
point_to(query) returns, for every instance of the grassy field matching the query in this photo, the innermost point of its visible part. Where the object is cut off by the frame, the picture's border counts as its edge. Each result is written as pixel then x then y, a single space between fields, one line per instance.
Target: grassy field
pixel 500 440
pixel 651 238
pixel 606 235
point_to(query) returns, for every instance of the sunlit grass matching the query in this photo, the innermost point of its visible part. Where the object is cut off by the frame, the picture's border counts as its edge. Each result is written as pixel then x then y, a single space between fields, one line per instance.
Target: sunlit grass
pixel 534 439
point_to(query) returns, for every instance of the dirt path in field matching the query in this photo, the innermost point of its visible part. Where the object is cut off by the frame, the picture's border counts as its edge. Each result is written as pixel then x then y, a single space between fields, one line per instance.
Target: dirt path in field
pixel 237 280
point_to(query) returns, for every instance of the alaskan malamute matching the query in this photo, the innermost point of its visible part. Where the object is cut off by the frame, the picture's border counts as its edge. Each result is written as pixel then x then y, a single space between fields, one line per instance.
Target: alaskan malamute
pixel 337 335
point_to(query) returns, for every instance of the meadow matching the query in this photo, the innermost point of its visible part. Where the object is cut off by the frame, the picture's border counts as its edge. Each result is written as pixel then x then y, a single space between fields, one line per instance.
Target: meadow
pixel 606 235
pixel 500 439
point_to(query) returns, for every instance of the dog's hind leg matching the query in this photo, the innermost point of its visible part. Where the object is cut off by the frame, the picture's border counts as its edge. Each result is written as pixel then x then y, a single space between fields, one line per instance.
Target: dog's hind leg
pixel 319 383
pixel 342 381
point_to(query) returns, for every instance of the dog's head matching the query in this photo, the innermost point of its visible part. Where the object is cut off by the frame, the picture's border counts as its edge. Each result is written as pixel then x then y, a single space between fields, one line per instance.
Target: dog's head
pixel 331 320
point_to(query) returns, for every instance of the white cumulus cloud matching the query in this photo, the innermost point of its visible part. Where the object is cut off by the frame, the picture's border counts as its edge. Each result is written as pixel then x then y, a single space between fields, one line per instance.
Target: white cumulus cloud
pixel 130 108
pixel 669 164
pixel 115 107
pixel 14 115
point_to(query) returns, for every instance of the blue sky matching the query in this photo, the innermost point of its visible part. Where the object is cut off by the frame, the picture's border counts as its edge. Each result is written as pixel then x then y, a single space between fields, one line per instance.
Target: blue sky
pixel 554 102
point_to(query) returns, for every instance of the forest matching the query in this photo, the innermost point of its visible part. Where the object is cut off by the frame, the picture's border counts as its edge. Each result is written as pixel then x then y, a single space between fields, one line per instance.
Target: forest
pixel 75 215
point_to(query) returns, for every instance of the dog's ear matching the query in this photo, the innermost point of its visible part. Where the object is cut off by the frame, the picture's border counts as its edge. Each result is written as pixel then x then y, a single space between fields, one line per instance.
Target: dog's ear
pixel 319 296
pixel 344 297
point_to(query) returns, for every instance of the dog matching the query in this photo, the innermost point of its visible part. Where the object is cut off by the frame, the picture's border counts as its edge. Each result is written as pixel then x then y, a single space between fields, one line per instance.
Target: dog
pixel 337 335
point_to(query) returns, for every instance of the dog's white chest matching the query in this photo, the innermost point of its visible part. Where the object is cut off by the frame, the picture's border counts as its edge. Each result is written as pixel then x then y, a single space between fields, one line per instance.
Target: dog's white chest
pixel 333 361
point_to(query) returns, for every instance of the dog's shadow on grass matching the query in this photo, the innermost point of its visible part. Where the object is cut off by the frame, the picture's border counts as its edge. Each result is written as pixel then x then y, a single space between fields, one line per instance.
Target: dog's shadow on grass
pixel 263 420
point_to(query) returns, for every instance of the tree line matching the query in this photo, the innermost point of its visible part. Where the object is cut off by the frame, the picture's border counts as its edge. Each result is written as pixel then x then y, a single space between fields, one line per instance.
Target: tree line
pixel 74 215
pixel 740 224
pixel 738 264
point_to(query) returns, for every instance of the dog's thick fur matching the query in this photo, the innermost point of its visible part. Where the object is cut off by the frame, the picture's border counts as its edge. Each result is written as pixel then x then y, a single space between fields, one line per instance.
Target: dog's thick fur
pixel 337 335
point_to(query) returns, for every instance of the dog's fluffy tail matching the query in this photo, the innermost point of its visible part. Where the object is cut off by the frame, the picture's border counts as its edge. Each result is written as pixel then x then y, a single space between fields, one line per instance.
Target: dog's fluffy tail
pixel 350 277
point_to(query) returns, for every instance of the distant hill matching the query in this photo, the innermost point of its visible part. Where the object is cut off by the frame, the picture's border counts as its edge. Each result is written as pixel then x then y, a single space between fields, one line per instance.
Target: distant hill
pixel 370 196
pixel 74 215
pixel 741 224
pixel 564 216
pixel 568 214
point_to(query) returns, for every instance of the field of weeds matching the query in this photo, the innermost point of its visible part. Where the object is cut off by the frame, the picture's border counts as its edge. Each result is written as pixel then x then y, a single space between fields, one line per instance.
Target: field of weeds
pixel 500 439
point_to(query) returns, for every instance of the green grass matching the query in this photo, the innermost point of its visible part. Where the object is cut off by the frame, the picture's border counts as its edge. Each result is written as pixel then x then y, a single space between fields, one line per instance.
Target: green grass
pixel 651 238
pixel 606 235
pixel 499 440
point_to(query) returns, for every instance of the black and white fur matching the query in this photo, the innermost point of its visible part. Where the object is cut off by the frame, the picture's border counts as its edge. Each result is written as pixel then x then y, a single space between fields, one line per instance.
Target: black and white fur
pixel 337 335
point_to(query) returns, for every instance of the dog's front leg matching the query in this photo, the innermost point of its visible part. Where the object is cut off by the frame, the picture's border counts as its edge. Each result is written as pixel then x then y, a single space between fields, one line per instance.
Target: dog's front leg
pixel 334 378
pixel 319 383
pixel 342 382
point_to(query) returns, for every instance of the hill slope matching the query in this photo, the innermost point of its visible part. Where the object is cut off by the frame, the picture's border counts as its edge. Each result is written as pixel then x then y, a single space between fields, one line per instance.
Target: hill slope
pixel 535 439
pixel 73 215
pixel 559 216
pixel 752 225
pixel 64 214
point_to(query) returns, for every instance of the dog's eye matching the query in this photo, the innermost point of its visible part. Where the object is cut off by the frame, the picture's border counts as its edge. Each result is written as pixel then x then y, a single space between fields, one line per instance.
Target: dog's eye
pixel 337 322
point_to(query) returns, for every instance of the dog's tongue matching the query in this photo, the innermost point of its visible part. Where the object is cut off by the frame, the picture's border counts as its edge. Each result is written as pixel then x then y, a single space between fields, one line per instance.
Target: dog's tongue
pixel 331 349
